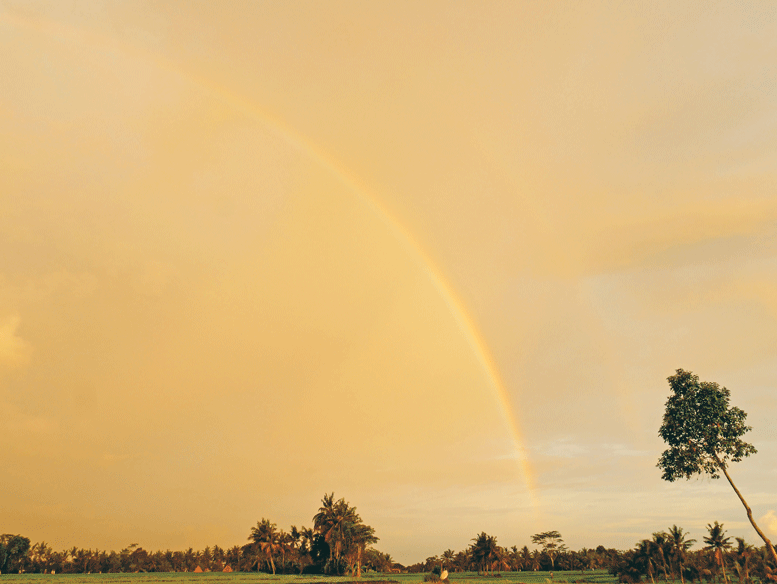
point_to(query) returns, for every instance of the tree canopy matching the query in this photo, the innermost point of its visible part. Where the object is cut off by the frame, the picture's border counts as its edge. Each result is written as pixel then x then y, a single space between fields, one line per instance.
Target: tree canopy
pixel 704 435
pixel 551 544
pixel 484 551
pixel 13 549
pixel 344 532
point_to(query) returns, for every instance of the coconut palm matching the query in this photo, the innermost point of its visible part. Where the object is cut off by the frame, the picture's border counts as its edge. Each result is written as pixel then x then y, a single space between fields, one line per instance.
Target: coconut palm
pixel 330 522
pixel 343 531
pixel 644 558
pixel 286 543
pixel 515 558
pixel 744 553
pixel 718 544
pixel 265 534
pixel 680 546
pixel 662 549
pixel 462 561
pixel 357 536
pixel 484 551
pixel 447 558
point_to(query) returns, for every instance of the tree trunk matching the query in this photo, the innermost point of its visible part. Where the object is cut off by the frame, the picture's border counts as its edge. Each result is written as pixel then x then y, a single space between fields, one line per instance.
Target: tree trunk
pixel 769 545
pixel 359 562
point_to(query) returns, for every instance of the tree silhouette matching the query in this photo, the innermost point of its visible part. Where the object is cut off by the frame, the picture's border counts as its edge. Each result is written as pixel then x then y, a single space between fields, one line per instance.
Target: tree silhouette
pixel 744 553
pixel 344 532
pixel 680 546
pixel 447 558
pixel 718 544
pixel 551 543
pixel 266 536
pixel 644 558
pixel 484 550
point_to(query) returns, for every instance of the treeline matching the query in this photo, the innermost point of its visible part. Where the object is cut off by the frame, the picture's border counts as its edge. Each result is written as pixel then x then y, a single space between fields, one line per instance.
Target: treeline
pixel 338 543
pixel 665 556
pixel 668 555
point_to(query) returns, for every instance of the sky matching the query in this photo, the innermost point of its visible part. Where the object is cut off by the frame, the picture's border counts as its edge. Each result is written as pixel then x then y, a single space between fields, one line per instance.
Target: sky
pixel 437 258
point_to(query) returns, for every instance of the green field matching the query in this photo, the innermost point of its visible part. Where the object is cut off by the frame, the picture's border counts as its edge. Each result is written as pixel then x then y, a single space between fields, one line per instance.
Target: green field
pixel 595 577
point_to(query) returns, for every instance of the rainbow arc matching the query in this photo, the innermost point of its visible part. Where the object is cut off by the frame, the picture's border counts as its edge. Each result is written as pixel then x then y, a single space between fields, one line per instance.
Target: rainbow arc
pixel 466 324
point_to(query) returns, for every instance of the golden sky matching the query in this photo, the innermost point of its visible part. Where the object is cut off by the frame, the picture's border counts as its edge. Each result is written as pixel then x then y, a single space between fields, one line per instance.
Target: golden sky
pixel 438 258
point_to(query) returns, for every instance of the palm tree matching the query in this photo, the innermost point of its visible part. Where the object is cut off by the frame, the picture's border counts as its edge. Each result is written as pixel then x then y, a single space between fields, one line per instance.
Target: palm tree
pixel 484 551
pixel 743 552
pixel 357 536
pixel 286 543
pixel 266 535
pixel 447 558
pixel 329 522
pixel 716 542
pixel 662 550
pixel 305 537
pixel 680 546
pixel 233 556
pixel 644 558
pixel 41 555
pixel 462 561
pixel 502 559
pixel 343 531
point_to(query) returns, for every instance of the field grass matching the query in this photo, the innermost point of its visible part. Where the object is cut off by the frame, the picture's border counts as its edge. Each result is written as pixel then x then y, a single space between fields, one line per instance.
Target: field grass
pixel 595 577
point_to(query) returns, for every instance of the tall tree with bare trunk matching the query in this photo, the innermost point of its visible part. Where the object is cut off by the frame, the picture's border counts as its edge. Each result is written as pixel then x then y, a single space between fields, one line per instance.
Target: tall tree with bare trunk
pixel 704 435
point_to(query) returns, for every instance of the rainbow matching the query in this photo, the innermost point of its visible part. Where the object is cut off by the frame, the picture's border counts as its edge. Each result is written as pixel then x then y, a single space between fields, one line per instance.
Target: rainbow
pixel 466 324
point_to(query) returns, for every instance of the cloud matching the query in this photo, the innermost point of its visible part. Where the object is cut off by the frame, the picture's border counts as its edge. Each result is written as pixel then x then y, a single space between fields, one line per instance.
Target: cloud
pixel 14 351
pixel 769 521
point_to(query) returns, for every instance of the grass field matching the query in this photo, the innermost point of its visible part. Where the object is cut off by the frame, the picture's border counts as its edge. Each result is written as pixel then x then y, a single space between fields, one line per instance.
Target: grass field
pixel 595 577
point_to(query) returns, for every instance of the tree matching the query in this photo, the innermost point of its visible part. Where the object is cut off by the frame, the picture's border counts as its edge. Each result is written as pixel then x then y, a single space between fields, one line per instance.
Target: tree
pixel 718 544
pixel 328 522
pixel 644 560
pixel 680 546
pixel 41 556
pixel 343 531
pixel 662 549
pixel 265 535
pixel 744 553
pixel 462 561
pixel 704 434
pixel 484 550
pixel 357 537
pixel 551 543
pixel 378 561
pixel 515 558
pixel 447 558
pixel 13 552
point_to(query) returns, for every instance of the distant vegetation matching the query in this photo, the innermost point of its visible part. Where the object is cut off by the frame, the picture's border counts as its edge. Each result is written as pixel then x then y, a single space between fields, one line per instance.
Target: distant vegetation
pixel 338 543
pixel 663 557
